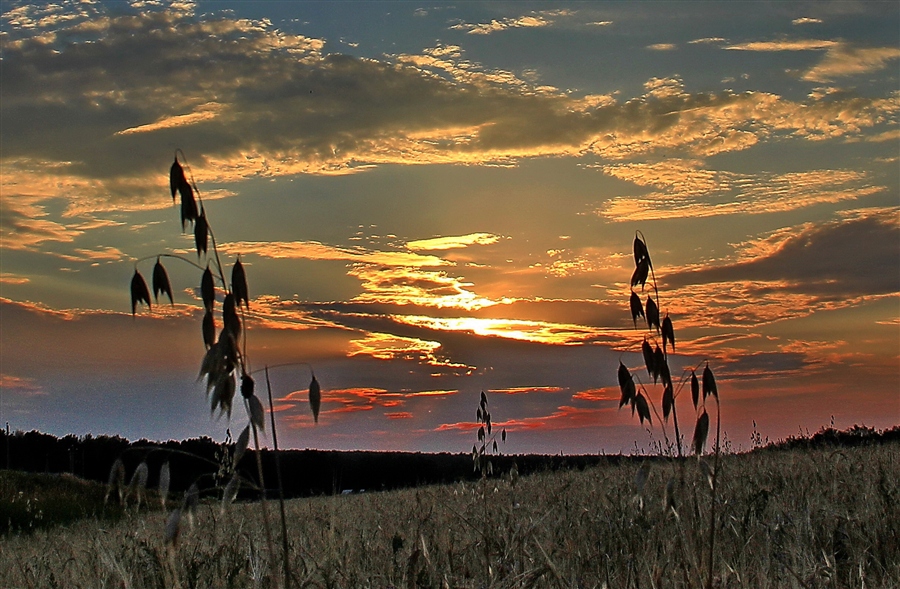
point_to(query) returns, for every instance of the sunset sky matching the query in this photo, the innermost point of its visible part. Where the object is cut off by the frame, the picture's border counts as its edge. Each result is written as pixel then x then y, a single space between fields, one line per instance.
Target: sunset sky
pixel 437 199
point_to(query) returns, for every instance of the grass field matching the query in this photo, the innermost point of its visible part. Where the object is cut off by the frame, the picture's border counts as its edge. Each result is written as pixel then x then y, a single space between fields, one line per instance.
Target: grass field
pixel 786 518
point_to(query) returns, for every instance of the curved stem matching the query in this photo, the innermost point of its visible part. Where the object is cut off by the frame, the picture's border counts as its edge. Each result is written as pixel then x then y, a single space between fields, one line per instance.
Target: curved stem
pixel 174 256
pixel 283 365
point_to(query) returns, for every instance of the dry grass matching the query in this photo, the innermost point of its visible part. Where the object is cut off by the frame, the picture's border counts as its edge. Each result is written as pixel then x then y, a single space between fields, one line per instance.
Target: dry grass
pixel 810 518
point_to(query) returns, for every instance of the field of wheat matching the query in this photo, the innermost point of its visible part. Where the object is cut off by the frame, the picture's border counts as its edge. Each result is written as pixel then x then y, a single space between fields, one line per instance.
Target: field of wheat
pixel 798 518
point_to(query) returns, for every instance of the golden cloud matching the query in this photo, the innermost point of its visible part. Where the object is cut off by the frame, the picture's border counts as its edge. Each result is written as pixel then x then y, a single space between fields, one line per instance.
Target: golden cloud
pixel 843 60
pixel 784 45
pixel 692 191
pixel 314 250
pixel 453 242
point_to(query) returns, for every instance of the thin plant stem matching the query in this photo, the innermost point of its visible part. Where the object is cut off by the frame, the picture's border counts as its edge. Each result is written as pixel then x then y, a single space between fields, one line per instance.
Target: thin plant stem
pixel 262 493
pixel 284 534
pixel 712 511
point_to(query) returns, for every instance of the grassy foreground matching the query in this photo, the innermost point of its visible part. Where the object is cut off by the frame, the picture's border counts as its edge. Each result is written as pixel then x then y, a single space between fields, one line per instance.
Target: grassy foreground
pixel 797 518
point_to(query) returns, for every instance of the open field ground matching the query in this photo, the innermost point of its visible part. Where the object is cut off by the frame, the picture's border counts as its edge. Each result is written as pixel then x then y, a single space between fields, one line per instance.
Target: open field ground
pixel 825 517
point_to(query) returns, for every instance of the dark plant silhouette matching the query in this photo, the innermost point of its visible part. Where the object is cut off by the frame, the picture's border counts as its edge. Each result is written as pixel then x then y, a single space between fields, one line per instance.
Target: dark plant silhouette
pixel 655 351
pixel 225 366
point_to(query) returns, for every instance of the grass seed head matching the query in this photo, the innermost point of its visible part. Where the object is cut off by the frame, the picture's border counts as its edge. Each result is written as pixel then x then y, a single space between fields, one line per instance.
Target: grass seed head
pixel 695 389
pixel 652 312
pixel 257 413
pixel 165 477
pixel 668 332
pixel 139 291
pixel 207 289
pixel 230 319
pixel 640 251
pixel 639 276
pixel 659 360
pixel 709 383
pixel 637 310
pixel 240 448
pixel 161 282
pixel 189 210
pixel 223 395
pixel 668 401
pixel 231 491
pixel 116 480
pixel 315 398
pixel 239 284
pixel 176 177
pixel 247 386
pixel 209 329
pixel 626 385
pixel 643 409
pixel 649 358
pixel 201 233
pixel 173 527
pixel 191 500
pixel 700 433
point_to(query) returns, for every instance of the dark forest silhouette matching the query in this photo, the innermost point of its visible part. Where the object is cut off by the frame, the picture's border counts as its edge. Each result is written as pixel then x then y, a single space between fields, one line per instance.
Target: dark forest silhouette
pixel 318 472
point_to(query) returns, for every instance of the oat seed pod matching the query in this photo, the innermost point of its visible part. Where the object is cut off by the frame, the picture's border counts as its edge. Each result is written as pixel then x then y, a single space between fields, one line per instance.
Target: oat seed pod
pixel 640 252
pixel 207 289
pixel 176 177
pixel 652 314
pixel 188 203
pixel 223 395
pixel 139 291
pixel 637 310
pixel 230 320
pixel 201 233
pixel 659 360
pixel 649 358
pixel 668 401
pixel 173 527
pixel 231 491
pixel 209 329
pixel 695 389
pixel 709 383
pixel 161 282
pixel 240 447
pixel 643 409
pixel 116 480
pixel 315 398
pixel 239 284
pixel 257 413
pixel 165 477
pixel 640 274
pixel 668 332
pixel 626 385
pixel 247 386
pixel 700 433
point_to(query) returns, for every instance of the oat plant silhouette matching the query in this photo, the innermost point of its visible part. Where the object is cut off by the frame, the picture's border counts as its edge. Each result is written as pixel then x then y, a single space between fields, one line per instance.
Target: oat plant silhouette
pixel 655 346
pixel 225 365
pixel 483 451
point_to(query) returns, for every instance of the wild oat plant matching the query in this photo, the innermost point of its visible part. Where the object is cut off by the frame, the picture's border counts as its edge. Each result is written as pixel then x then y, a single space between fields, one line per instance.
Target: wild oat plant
pixel 635 393
pixel 225 366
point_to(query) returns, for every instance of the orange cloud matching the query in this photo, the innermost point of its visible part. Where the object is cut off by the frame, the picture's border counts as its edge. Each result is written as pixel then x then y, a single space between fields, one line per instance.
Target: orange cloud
pixel 523 390
pixel 399 415
pixel 453 242
pixel 314 250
